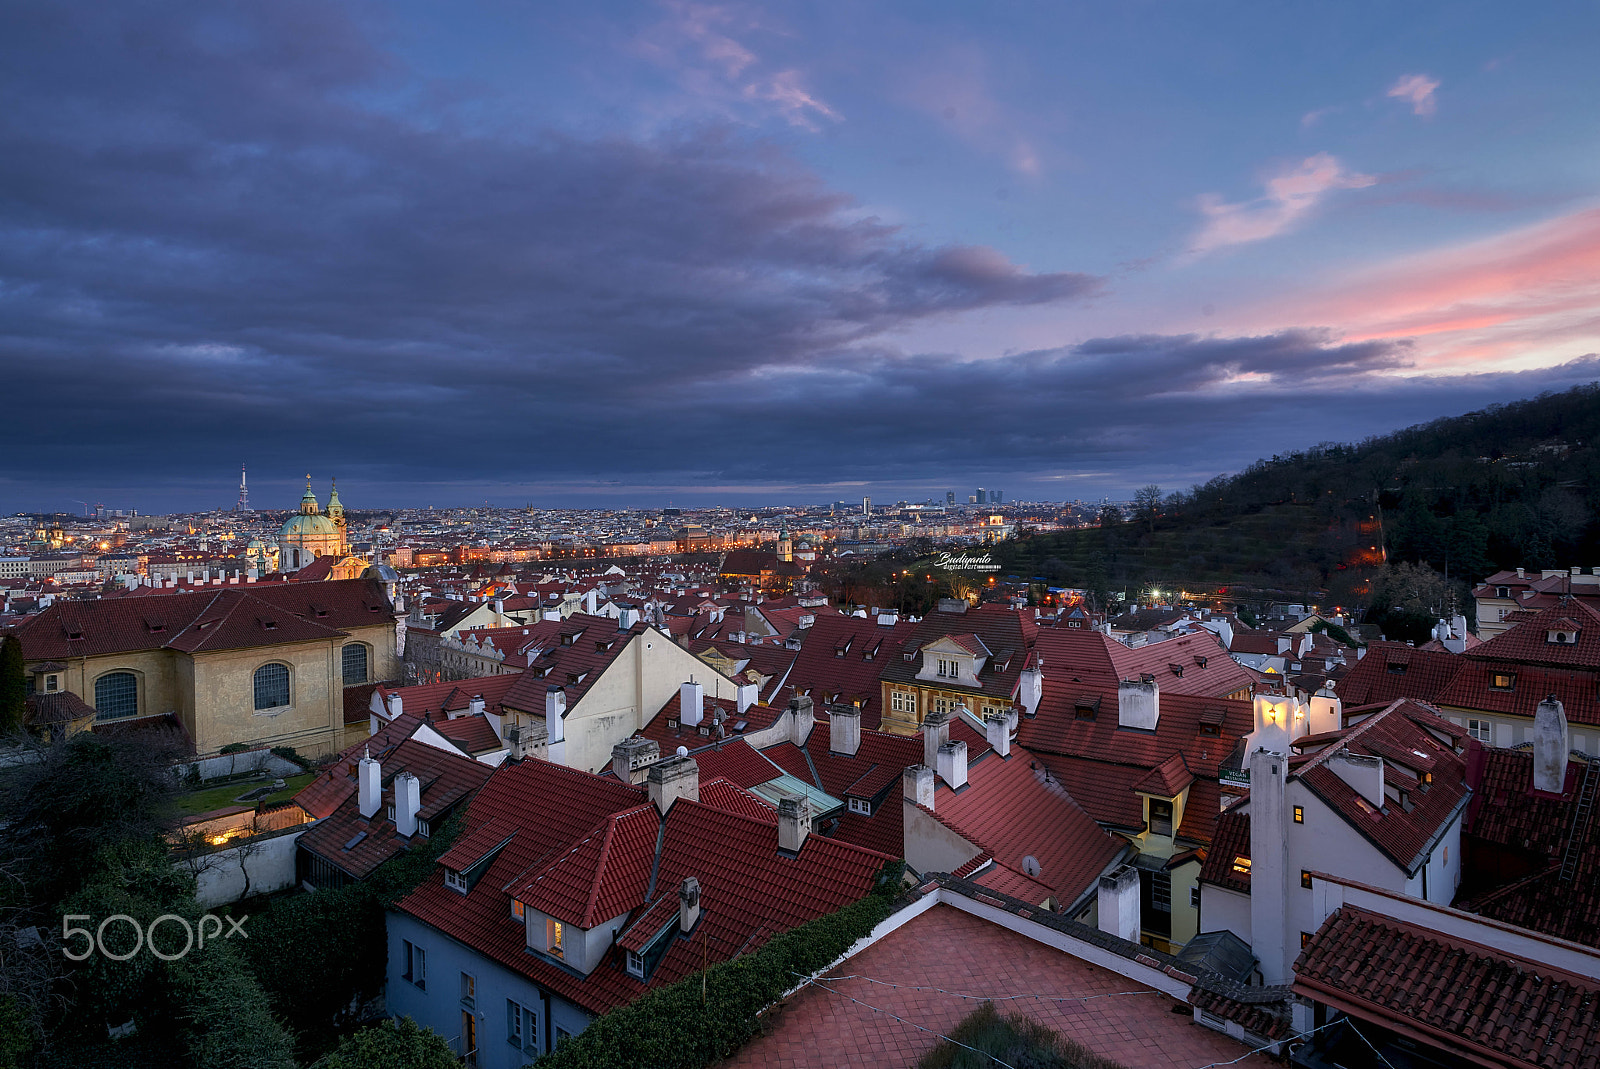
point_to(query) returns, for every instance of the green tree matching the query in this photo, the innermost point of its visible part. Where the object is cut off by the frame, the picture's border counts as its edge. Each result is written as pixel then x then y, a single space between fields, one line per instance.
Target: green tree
pixel 13 684
pixel 391 1045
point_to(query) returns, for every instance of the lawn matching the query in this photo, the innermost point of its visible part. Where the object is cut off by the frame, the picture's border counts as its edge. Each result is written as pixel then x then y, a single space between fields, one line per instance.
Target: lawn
pixel 204 801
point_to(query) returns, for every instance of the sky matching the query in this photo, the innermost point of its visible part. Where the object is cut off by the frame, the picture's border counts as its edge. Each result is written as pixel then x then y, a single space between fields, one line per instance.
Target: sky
pixel 619 254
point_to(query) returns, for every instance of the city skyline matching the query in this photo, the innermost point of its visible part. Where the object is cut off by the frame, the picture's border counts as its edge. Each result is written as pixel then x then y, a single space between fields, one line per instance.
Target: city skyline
pixel 670 251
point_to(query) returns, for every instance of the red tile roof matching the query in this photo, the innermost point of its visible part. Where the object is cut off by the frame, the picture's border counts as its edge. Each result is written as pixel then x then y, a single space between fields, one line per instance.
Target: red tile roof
pixel 325 794
pixel 1528 642
pixel 1464 998
pixel 474 734
pixel 845 656
pixel 1009 633
pixel 1393 670
pixel 1231 841
pixel 1073 655
pixel 1012 811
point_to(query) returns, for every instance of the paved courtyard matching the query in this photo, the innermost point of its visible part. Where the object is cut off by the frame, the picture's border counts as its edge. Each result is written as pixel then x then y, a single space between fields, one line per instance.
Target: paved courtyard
pixel 949 949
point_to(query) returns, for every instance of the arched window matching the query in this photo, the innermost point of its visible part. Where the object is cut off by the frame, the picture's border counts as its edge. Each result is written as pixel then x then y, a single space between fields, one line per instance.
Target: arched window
pixel 272 686
pixel 355 663
pixel 116 695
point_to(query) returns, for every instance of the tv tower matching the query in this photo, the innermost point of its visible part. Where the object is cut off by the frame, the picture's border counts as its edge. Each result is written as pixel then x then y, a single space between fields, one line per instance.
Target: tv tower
pixel 244 493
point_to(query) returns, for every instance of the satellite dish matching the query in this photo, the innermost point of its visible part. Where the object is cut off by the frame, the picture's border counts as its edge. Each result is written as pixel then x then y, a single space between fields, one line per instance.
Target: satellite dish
pixel 683 751
pixel 1030 867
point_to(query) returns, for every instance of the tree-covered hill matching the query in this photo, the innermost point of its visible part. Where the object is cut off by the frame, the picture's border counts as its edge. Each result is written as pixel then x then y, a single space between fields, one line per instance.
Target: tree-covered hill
pixel 1513 484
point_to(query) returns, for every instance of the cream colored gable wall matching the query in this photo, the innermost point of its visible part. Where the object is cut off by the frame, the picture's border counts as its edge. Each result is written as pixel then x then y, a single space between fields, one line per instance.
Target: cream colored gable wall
pixel 632 689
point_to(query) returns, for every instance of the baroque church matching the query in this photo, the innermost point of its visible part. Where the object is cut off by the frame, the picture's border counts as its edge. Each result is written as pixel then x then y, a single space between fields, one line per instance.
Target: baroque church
pixel 309 536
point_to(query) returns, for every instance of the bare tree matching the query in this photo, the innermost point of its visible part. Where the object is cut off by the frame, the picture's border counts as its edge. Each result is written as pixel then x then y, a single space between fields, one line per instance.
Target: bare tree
pixel 1147 504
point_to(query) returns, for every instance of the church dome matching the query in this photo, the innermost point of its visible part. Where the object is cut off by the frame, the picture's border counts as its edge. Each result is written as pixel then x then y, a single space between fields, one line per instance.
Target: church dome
pixel 304 526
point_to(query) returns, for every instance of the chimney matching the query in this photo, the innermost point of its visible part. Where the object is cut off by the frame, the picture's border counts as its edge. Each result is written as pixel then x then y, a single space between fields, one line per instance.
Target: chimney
pixel 1119 903
pixel 844 729
pixel 917 783
pixel 590 602
pixel 627 618
pixel 555 712
pixel 1327 712
pixel 499 606
pixel 1275 721
pixel 1138 704
pixel 935 733
pixel 998 729
pixel 475 706
pixel 688 904
pixel 1364 774
pixel 1269 865
pixel 674 778
pixel 794 822
pixel 953 764
pixel 1284 643
pixel 746 694
pixel 691 704
pixel 1550 746
pixel 371 784
pixel 407 803
pixel 1031 688
pixel 1520 575
pixel 804 718
pixel 632 757
pixel 396 706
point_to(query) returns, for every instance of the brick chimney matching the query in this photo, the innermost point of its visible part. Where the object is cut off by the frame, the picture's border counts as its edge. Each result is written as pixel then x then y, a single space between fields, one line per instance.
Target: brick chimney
pixel 688 904
pixel 794 822
pixel 1550 746
pixel 371 784
pixel 407 803
pixel 632 757
pixel 1119 903
pixel 844 729
pixel 674 778
pixel 691 704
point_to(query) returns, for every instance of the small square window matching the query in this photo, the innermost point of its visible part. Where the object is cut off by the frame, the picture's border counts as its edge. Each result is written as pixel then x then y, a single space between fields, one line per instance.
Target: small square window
pixel 1299 814
pixel 1503 680
pixel 455 881
pixel 1305 878
pixel 636 964
pixel 519 912
pixel 1305 940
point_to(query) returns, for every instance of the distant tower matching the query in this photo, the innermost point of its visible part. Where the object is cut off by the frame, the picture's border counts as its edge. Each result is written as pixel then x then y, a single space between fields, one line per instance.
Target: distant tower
pixel 244 493
pixel 866 506
pixel 785 546
pixel 949 498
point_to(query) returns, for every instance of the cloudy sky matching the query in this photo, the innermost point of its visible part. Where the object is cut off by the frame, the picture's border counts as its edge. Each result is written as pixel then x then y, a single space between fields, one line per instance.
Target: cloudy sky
pixel 612 253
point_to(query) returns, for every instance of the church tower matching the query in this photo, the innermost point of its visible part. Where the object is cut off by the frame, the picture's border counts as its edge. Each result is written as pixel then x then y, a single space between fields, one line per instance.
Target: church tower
pixel 785 546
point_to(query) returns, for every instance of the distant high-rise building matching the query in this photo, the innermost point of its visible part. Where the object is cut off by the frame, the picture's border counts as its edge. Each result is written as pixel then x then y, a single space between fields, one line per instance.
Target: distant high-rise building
pixel 996 497
pixel 950 497
pixel 983 495
pixel 866 506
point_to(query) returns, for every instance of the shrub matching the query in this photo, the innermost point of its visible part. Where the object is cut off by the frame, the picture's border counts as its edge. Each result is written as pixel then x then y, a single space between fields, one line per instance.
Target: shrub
pixel 1015 1041
pixel 391 1045
pixel 234 747
pixel 289 753
pixel 701 1020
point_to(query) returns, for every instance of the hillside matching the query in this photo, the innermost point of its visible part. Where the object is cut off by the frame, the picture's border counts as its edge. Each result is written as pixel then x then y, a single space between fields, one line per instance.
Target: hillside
pixel 1513 484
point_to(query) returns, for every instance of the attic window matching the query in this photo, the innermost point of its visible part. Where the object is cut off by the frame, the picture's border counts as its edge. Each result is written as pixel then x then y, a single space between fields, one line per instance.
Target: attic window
pixel 1176 669
pixel 270 625
pixel 1503 681
pixel 567 640
pixel 156 627
pixel 455 881
pixel 1397 668
pixel 672 724
pixel 75 635
pixel 1147 677
pixel 1086 707
pixel 862 806
pixel 1200 660
pixel 1563 637
pixel 1502 592
pixel 1241 865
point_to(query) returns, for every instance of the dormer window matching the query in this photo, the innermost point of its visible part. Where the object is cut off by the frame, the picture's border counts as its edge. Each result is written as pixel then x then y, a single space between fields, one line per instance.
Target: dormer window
pixel 1502 592
pixel 519 912
pixel 636 964
pixel 862 806
pixel 1160 817
pixel 1503 681
pixel 1241 865
pixel 452 879
pixel 1086 707
pixel 1563 637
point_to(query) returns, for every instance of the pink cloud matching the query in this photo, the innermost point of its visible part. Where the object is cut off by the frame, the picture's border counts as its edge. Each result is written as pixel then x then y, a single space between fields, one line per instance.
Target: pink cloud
pixel 1417 90
pixel 955 90
pixel 1290 195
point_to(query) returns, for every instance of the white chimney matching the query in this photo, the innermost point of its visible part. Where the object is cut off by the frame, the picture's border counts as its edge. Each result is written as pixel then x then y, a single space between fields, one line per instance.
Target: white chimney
pixel 691 704
pixel 953 764
pixel 804 718
pixel 1550 746
pixel 676 777
pixel 997 727
pixel 1364 774
pixel 627 618
pixel 407 803
pixel 1326 713
pixel 844 729
pixel 1119 903
pixel 396 706
pixel 688 904
pixel 1138 704
pixel 794 822
pixel 1275 722
pixel 747 694
pixel 499 606
pixel 1269 865
pixel 476 705
pixel 590 602
pixel 370 775
pixel 1031 688
pixel 1284 643
pixel 935 733
pixel 632 757
pixel 917 784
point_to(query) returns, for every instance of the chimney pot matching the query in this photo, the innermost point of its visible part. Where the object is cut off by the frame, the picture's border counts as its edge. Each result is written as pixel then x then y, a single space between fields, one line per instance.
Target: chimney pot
pixel 953 764
pixel 632 757
pixel 688 904
pixel 1138 704
pixel 1119 903
pixel 935 733
pixel 1550 746
pixel 997 728
pixel 794 822
pixel 844 729
pixel 917 784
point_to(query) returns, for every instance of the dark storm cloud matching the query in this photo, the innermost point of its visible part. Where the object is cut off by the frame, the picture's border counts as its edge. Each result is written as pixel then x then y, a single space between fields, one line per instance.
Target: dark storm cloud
pixel 249 232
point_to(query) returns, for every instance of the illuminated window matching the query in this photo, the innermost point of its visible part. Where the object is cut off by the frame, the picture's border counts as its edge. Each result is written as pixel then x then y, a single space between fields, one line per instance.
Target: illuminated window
pixel 1305 879
pixel 1241 865
pixel 1305 940
pixel 555 934
pixel 519 912
pixel 1503 680
pixel 1299 814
